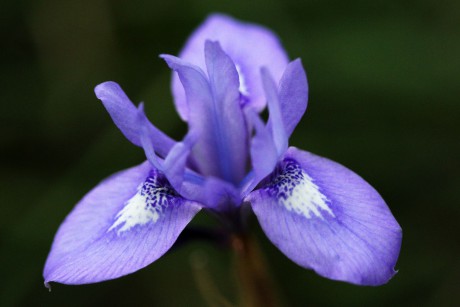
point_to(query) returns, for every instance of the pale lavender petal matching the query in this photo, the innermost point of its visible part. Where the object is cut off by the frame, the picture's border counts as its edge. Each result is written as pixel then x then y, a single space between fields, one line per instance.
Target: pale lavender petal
pixel 275 118
pixel 293 95
pixel 125 223
pixel 325 217
pixel 124 115
pixel 216 114
pixel 250 47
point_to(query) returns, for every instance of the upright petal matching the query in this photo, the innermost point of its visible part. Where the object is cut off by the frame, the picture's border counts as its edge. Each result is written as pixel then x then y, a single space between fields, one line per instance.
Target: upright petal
pixel 250 47
pixel 222 149
pixel 175 162
pixel 293 95
pixel 124 115
pixel 125 223
pixel 275 119
pixel 264 154
pixel 325 217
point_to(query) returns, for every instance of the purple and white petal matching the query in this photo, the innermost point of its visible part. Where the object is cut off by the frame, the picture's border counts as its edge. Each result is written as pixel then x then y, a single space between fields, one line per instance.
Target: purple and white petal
pixel 250 47
pixel 215 113
pixel 125 116
pixel 325 217
pixel 122 225
pixel 293 95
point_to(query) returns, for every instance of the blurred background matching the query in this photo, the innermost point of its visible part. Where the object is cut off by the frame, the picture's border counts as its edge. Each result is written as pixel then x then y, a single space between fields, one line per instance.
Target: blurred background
pixel 384 101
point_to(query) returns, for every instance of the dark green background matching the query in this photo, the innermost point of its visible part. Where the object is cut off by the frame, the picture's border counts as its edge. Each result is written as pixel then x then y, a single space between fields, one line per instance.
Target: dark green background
pixel 384 101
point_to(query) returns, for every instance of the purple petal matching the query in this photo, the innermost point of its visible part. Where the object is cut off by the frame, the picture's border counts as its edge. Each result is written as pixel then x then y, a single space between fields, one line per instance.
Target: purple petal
pixel 275 119
pixel 125 116
pixel 125 223
pixel 250 47
pixel 264 155
pixel 175 162
pixel 325 217
pixel 214 193
pixel 173 166
pixel 293 95
pixel 216 114
pixel 146 140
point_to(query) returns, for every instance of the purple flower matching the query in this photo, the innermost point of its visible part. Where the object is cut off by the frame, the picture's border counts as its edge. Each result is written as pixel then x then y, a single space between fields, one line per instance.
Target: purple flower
pixel 317 212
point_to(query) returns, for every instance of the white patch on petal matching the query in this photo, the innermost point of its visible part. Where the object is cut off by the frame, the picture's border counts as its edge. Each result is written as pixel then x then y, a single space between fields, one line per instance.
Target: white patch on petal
pixel 243 86
pixel 146 206
pixel 297 192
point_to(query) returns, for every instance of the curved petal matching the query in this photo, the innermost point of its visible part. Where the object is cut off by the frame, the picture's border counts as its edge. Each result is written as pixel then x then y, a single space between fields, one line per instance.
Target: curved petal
pixel 125 223
pixel 250 47
pixel 325 217
pixel 125 116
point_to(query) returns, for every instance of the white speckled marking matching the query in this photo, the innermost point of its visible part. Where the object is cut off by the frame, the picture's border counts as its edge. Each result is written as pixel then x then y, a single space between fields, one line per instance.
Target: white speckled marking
pixel 297 192
pixel 145 206
pixel 135 212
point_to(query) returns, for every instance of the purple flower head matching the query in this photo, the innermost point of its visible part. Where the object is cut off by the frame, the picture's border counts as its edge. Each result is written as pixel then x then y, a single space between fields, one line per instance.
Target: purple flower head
pixel 317 212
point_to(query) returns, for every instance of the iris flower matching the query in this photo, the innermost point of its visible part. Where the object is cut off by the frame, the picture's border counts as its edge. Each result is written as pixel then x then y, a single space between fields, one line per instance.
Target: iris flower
pixel 320 214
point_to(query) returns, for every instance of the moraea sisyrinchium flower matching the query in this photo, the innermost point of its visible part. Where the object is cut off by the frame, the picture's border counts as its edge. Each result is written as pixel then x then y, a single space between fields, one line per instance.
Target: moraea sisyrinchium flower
pixel 317 212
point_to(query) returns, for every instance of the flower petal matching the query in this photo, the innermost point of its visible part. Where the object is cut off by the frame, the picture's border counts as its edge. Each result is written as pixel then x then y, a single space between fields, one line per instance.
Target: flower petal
pixel 215 194
pixel 175 162
pixel 174 165
pixel 325 217
pixel 216 114
pixel 275 118
pixel 146 140
pixel 264 155
pixel 293 95
pixel 125 116
pixel 250 47
pixel 125 223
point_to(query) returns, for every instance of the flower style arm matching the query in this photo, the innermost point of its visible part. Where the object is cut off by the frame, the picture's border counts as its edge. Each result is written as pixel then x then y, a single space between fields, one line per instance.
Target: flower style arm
pixel 214 113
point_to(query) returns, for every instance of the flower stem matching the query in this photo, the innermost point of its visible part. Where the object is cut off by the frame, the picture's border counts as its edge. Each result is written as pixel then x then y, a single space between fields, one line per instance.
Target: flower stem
pixel 255 283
